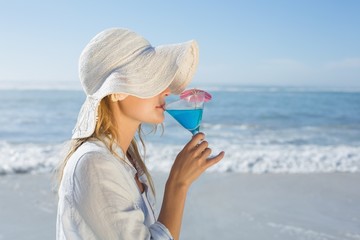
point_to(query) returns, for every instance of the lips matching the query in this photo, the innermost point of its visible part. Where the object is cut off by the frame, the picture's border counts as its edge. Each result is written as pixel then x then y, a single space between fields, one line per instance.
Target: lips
pixel 162 106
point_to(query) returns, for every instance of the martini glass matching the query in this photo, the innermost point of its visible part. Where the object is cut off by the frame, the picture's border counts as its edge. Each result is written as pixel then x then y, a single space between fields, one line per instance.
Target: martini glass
pixel 188 110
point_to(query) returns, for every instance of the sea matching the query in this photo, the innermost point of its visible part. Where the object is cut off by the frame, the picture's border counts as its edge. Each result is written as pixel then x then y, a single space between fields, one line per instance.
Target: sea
pixel 261 129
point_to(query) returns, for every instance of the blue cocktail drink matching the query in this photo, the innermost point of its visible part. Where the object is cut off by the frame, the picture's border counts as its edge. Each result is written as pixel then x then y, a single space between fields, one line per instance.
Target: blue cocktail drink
pixel 188 110
pixel 188 118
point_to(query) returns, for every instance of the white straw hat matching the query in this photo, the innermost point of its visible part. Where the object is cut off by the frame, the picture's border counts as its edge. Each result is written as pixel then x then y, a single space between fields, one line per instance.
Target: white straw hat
pixel 120 61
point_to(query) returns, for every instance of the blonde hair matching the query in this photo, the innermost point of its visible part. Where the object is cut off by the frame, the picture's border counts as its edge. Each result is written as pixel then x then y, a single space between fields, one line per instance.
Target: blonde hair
pixel 105 127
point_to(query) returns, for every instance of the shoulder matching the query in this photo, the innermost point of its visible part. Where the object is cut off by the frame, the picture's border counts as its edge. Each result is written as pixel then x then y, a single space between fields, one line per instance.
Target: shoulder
pixel 95 156
pixel 98 168
pixel 93 162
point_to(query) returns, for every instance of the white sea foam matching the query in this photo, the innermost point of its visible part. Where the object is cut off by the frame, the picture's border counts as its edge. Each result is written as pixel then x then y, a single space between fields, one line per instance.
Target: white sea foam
pixel 33 158
pixel 270 159
pixel 28 158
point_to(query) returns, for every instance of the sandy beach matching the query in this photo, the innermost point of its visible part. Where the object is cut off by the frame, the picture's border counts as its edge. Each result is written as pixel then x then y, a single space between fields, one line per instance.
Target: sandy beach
pixel 219 206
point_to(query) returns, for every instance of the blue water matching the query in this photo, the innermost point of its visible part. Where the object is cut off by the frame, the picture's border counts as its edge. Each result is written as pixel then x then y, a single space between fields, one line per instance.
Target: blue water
pixel 328 117
pixel 38 116
pixel 188 118
pixel 261 129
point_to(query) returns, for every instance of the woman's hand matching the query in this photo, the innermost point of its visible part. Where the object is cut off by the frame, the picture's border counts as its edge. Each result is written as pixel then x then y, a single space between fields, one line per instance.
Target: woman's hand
pixel 192 161
pixel 189 164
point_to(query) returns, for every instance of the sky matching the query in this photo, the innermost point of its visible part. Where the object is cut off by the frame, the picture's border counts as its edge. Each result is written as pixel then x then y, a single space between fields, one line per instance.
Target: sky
pixel 266 43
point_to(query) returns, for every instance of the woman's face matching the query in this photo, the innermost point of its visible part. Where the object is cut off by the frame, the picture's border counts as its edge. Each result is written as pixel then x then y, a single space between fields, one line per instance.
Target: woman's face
pixel 149 110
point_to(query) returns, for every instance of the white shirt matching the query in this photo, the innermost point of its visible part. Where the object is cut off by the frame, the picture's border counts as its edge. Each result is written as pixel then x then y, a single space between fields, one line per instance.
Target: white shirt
pixel 99 198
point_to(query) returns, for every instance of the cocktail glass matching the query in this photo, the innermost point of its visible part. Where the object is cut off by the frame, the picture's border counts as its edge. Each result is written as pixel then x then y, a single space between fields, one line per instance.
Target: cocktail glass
pixel 188 110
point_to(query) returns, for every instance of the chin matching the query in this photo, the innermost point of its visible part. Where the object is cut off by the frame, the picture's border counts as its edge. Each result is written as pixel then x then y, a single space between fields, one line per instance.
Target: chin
pixel 157 121
pixel 161 120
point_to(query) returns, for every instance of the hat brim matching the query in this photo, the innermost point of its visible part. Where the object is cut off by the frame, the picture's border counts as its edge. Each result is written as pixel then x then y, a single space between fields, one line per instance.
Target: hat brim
pixel 149 74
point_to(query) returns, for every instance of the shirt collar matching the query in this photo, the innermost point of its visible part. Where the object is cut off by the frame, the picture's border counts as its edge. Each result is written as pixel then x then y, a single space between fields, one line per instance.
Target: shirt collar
pixel 120 155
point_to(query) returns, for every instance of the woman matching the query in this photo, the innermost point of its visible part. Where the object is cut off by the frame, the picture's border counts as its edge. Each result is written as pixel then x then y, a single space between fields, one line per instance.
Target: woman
pixel 105 189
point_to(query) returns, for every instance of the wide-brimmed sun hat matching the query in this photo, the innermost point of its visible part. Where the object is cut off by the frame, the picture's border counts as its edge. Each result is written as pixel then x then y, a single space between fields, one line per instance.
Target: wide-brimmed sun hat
pixel 121 61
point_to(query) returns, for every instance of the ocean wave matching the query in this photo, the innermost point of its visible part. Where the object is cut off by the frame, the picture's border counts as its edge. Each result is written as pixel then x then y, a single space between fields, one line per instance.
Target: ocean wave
pixel 271 158
pixel 38 158
pixel 29 158
pixel 219 126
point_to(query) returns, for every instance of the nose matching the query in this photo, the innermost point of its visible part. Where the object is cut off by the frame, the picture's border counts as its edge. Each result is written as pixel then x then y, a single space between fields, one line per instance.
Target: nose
pixel 166 92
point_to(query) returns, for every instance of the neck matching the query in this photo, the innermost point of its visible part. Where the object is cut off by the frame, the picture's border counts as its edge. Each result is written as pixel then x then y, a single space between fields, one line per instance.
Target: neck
pixel 126 128
pixel 126 135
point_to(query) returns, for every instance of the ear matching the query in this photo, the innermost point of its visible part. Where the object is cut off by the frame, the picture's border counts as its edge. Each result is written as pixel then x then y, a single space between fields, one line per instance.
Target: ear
pixel 118 97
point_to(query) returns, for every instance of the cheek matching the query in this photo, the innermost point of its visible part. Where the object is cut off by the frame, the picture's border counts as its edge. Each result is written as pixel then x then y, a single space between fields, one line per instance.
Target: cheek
pixel 155 115
pixel 147 113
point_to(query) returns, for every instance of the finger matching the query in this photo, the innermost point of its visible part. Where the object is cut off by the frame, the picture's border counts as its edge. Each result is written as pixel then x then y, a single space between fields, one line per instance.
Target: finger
pixel 195 140
pixel 206 153
pixel 213 160
pixel 201 147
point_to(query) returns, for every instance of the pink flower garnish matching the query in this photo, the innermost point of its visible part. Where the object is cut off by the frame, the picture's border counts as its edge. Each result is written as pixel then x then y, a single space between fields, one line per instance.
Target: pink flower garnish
pixel 196 95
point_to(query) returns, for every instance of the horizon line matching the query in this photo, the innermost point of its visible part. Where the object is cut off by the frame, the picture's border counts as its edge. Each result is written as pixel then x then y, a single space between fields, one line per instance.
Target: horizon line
pixel 241 87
